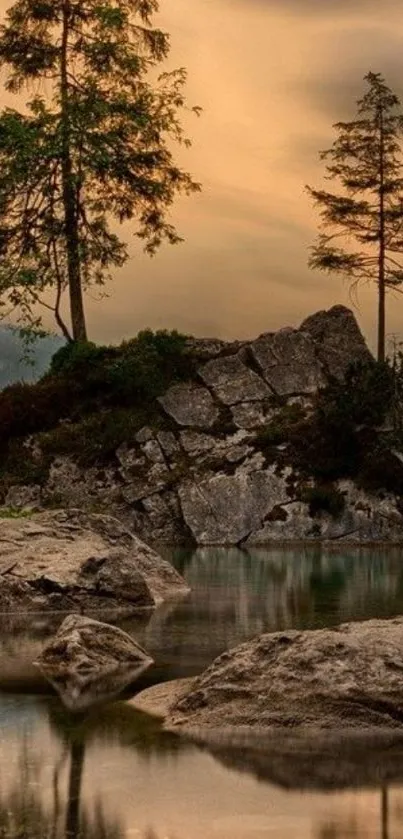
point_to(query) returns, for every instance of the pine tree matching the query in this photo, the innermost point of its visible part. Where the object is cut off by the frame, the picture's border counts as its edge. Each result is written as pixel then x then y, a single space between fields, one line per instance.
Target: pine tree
pixel 93 146
pixel 367 214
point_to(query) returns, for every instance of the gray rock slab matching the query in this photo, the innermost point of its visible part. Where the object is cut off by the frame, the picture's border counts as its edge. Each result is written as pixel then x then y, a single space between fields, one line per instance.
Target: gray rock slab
pixel 190 404
pixel 232 381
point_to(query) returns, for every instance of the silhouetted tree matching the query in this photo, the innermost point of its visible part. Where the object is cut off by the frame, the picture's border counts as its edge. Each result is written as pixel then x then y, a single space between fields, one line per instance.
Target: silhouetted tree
pixel 365 159
pixel 94 146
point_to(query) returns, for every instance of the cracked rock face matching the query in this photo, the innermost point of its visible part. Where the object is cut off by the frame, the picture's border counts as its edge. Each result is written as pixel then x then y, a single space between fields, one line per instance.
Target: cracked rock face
pixel 88 661
pixel 225 509
pixel 232 381
pixel 288 362
pixel 62 561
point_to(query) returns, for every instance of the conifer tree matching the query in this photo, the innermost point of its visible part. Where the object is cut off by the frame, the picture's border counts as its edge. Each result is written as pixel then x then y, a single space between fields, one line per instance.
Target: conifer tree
pixel 94 146
pixel 362 224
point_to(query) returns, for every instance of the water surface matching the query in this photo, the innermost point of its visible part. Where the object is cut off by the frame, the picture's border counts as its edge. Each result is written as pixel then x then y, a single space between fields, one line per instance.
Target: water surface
pixel 113 774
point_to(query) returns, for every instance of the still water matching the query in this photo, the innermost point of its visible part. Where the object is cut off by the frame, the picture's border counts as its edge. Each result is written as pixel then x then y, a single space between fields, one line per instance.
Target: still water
pixel 113 774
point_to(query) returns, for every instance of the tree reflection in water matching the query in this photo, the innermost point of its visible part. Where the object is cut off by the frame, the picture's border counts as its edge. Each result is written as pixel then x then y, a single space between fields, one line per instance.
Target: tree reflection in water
pixel 351 830
pixel 34 810
pixel 23 814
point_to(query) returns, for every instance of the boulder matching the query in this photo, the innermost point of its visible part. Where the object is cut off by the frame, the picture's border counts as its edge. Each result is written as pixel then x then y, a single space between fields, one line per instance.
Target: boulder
pixel 345 679
pixel 68 560
pixel 225 509
pixel 232 381
pixel 88 661
pixel 337 339
pixel 189 404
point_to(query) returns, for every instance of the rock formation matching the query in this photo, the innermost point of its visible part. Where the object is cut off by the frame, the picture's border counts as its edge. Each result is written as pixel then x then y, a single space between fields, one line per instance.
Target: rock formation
pixel 88 661
pixel 202 472
pixel 68 560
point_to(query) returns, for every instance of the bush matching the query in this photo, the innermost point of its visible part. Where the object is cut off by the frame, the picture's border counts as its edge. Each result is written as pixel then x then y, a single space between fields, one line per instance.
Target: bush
pixel 334 442
pixel 363 398
pixel 95 439
pixel 324 498
pixel 137 371
pixel 26 409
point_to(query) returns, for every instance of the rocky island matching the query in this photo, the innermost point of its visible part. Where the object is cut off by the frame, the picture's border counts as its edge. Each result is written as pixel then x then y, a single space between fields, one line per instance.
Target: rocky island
pixel 232 443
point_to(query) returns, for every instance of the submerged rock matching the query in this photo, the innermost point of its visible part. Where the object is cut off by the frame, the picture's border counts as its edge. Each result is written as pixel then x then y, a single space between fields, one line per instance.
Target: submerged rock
pixel 348 678
pixel 69 560
pixel 88 661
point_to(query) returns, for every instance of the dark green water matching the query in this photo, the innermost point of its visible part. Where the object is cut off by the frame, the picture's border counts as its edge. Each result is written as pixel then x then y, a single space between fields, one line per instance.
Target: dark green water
pixel 114 775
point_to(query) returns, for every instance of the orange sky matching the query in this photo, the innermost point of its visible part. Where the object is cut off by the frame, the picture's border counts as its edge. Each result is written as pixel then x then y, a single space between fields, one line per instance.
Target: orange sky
pixel 272 76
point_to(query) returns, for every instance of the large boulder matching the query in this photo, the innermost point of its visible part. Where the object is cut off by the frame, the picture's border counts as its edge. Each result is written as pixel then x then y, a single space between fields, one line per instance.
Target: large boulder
pixel 337 338
pixel 68 560
pixel 88 661
pixel 348 678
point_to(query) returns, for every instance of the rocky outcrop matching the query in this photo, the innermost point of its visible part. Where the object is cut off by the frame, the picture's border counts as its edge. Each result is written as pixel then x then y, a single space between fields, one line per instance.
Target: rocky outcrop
pixel 202 470
pixel 88 661
pixel 69 560
pixel 343 679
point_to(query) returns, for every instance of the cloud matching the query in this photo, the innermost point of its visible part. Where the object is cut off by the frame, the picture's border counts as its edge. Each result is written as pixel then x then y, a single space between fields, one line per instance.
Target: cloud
pixel 323 8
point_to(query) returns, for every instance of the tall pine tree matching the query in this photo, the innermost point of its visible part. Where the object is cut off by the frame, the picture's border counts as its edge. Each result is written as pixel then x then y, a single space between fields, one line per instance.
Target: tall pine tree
pixel 362 224
pixel 94 145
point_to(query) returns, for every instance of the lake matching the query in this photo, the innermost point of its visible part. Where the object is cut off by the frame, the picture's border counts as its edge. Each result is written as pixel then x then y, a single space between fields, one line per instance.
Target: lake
pixel 112 774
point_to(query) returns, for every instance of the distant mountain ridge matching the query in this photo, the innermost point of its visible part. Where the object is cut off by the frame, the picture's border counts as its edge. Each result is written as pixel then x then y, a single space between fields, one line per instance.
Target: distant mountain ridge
pixel 13 367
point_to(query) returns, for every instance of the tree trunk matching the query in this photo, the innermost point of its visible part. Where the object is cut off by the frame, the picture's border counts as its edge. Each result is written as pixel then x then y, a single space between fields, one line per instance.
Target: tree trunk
pixel 74 793
pixel 79 329
pixel 381 267
pixel 381 316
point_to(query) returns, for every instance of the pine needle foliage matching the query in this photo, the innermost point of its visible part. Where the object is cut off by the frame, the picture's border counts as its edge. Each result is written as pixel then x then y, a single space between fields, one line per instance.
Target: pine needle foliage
pixel 94 146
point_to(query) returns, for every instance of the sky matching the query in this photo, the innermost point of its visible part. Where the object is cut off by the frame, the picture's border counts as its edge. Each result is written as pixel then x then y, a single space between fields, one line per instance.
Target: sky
pixel 272 76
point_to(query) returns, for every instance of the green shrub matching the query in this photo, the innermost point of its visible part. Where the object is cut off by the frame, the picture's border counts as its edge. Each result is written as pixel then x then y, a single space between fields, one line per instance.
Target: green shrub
pixel 363 398
pixel 324 498
pixel 138 370
pixel 77 357
pixel 94 439
pixel 26 409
